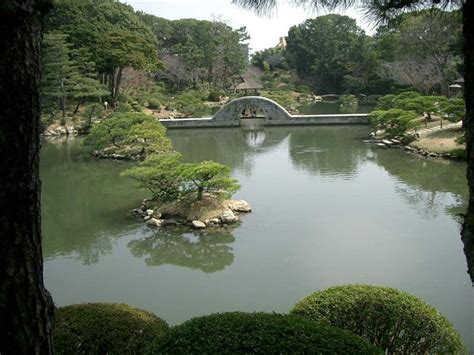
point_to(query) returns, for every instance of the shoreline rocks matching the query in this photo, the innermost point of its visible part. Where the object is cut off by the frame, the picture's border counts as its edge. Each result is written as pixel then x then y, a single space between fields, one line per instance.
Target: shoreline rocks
pixel 395 143
pixel 226 214
pixel 57 130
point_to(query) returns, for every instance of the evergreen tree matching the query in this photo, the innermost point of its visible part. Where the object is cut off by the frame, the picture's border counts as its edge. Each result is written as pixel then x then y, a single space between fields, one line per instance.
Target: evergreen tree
pixel 84 82
pixel 67 74
pixel 58 69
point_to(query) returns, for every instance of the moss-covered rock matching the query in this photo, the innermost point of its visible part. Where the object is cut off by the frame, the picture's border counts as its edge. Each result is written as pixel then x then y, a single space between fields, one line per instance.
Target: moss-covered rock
pixel 391 319
pixel 105 328
pixel 263 333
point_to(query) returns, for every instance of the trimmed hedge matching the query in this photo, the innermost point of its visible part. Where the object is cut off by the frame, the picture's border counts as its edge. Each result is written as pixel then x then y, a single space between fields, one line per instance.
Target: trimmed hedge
pixel 154 104
pixel 105 328
pixel 391 319
pixel 259 333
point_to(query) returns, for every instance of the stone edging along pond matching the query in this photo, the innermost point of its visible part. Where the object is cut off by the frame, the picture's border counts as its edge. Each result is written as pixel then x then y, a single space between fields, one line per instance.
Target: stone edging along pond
pixel 395 143
pixel 199 215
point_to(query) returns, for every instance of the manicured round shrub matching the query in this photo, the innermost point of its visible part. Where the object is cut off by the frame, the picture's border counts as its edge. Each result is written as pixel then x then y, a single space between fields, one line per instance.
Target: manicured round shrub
pixel 105 328
pixel 154 104
pixel 262 333
pixel 390 319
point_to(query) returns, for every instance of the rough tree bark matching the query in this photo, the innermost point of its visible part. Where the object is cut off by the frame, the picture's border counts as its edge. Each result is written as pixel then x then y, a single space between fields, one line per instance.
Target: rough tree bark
pixel 468 225
pixel 26 307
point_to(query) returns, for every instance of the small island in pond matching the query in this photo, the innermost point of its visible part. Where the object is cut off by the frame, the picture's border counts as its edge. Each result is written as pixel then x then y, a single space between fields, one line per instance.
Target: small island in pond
pixel 211 211
pixel 189 194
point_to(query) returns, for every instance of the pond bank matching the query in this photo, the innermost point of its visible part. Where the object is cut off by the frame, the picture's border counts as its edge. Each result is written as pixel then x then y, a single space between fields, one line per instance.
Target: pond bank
pixel 432 142
pixel 197 214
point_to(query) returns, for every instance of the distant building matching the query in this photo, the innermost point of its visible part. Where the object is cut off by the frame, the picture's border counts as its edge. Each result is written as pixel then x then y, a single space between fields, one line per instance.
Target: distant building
pixel 247 86
pixel 459 81
pixel 281 43
pixel 249 82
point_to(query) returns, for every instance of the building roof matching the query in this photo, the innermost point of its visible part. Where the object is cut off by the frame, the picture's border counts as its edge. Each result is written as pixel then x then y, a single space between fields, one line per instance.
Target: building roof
pixel 248 84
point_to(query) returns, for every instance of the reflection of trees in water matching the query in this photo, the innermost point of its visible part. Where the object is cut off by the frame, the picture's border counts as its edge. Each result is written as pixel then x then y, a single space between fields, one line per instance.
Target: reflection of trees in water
pixel 233 147
pixel 209 251
pixel 467 235
pixel 424 183
pixel 328 150
pixel 84 203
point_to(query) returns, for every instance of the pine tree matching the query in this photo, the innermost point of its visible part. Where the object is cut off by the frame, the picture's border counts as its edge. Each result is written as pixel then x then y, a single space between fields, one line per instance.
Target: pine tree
pixel 84 82
pixel 57 71
pixel 67 74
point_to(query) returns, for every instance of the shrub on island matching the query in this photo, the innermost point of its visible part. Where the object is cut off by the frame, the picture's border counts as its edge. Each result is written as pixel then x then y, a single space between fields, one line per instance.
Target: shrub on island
pixel 168 178
pixel 391 319
pixel 262 333
pixel 127 134
pixel 105 328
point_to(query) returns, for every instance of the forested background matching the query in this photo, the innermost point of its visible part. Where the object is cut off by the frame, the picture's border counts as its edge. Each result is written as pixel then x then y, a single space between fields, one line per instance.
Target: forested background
pixel 103 54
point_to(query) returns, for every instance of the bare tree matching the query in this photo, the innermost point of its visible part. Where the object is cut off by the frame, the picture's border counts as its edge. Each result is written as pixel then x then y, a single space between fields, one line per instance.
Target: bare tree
pixel 423 76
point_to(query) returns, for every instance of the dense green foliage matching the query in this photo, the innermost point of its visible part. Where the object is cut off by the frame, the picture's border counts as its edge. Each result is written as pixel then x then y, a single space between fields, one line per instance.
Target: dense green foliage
pixel 397 113
pixel 263 333
pixel 67 74
pixel 208 177
pixel 422 49
pixel 195 51
pixel 109 30
pixel 168 178
pixel 332 54
pixel 160 174
pixel 394 122
pixel 137 131
pixel 270 59
pixel 391 319
pixel 105 328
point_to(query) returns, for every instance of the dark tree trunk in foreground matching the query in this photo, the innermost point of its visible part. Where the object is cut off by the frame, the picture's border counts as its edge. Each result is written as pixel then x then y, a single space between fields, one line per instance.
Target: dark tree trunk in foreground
pixel 26 307
pixel 468 226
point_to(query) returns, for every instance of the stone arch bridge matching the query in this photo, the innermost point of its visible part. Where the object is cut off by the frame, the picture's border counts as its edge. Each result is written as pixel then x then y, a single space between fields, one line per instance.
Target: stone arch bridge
pixel 262 111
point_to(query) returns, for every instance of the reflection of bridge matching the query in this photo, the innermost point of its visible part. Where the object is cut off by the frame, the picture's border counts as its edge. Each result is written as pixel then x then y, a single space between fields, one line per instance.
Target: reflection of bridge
pixel 267 111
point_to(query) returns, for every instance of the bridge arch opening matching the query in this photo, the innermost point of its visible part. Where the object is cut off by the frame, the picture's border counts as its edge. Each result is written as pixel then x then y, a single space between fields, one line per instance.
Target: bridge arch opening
pixel 252 112
pixel 251 107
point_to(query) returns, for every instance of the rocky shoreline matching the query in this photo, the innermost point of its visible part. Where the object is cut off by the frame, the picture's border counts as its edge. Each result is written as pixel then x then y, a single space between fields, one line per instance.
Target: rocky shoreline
pixel 395 143
pixel 180 213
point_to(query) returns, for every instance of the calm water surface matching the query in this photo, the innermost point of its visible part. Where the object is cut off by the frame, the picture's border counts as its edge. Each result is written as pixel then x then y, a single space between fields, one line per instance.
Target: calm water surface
pixel 328 210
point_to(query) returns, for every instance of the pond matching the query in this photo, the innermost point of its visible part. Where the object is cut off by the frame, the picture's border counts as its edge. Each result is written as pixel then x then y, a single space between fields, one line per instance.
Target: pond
pixel 328 210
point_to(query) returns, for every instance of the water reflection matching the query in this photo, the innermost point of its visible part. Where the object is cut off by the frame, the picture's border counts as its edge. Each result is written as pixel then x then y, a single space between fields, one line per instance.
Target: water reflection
pixel 423 183
pixel 326 151
pixel 467 236
pixel 83 204
pixel 208 251
pixel 85 201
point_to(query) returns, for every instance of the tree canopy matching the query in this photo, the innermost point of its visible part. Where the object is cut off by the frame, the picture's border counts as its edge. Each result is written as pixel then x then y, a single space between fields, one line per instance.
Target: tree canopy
pixel 196 51
pixel 422 49
pixel 111 31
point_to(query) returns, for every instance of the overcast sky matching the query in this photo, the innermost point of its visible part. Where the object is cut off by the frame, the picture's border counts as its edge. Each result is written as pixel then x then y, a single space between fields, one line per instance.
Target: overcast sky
pixel 263 30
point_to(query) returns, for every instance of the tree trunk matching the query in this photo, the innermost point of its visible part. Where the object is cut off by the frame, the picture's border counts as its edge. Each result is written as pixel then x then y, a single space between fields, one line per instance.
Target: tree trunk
pixel 118 82
pixel 79 103
pixel 468 49
pixel 26 308
pixel 199 193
